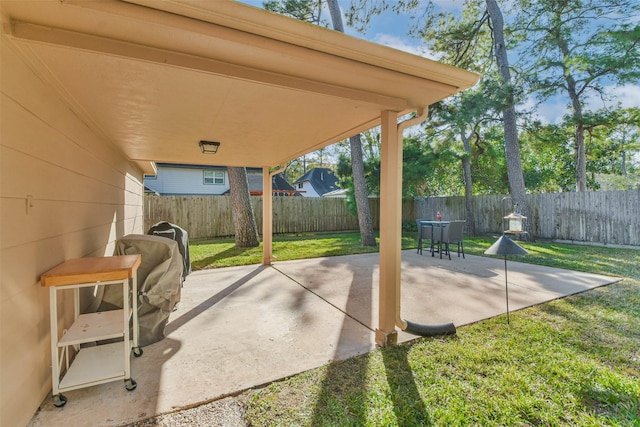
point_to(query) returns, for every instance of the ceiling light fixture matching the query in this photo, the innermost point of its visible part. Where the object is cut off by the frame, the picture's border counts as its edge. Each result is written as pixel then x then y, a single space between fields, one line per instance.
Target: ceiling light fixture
pixel 209 147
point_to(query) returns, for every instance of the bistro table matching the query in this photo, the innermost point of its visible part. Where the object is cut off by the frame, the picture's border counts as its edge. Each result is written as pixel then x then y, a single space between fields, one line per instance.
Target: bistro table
pixel 439 225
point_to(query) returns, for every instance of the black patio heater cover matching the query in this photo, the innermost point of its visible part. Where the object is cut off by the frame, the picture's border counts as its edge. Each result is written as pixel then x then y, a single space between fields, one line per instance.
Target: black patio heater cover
pixel 505 246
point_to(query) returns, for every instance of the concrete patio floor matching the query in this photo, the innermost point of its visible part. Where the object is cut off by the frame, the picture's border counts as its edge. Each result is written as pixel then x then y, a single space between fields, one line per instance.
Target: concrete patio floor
pixel 241 327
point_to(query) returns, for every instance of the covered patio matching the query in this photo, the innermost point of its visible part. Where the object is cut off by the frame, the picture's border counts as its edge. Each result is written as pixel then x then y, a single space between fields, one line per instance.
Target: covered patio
pixel 242 327
pixel 157 78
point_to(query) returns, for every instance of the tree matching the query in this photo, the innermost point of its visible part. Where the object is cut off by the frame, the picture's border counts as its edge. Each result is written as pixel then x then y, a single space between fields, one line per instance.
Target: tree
pixel 299 9
pixel 548 150
pixel 461 40
pixel 627 134
pixel 611 143
pixel 304 10
pixel 428 167
pixel 361 194
pixel 488 163
pixel 576 47
pixel 370 143
pixel 461 119
pixel 610 137
pixel 324 157
pixel 243 218
pixel 511 144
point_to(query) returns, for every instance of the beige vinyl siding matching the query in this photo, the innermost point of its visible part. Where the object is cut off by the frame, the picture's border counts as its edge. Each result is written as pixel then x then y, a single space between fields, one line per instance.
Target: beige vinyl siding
pixel 84 194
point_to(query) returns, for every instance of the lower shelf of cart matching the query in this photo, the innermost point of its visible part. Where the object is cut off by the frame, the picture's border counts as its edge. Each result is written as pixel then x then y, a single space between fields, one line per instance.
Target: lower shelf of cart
pixel 96 365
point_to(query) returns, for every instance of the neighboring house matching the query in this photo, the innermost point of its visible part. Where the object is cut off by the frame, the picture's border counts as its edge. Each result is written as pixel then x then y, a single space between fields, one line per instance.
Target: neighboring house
pixel 180 179
pixel 279 185
pixel 340 193
pixel 317 182
pixel 147 190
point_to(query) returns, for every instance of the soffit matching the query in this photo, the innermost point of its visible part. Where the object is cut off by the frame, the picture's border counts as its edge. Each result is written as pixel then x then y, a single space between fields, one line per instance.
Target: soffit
pixel 155 82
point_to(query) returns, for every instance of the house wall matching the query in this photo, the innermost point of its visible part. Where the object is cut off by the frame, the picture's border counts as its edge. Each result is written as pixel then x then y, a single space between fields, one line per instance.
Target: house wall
pixel 64 193
pixel 306 189
pixel 180 180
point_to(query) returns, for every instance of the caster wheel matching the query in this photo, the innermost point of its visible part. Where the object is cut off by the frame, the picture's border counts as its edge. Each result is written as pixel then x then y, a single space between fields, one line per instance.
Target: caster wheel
pixel 137 352
pixel 59 400
pixel 130 384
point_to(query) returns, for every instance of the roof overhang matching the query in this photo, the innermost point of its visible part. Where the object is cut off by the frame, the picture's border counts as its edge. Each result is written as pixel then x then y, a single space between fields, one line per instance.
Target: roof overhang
pixel 156 77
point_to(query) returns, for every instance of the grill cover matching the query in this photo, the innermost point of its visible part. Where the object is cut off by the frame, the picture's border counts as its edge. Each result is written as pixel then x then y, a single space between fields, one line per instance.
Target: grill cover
pixel 159 283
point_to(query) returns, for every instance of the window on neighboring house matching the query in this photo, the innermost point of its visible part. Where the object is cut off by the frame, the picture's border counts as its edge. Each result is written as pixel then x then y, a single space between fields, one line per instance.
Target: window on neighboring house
pixel 213 177
pixel 300 185
pixel 147 177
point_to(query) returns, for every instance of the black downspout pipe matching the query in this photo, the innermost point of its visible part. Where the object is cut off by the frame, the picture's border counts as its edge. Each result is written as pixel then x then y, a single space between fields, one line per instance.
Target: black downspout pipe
pixel 423 330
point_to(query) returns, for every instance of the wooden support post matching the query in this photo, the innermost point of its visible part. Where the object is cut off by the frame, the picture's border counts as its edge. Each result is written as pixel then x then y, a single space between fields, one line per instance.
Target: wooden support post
pixel 390 228
pixel 267 216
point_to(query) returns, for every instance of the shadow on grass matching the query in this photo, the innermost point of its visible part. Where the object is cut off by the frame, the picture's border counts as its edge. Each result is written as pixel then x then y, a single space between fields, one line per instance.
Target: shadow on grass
pixel 348 398
pixel 408 406
pixel 351 393
pixel 618 406
pixel 343 398
pixel 344 392
pixel 229 253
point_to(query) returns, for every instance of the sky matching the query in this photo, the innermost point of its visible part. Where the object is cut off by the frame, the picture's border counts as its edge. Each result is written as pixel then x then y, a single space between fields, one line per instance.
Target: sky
pixel 391 29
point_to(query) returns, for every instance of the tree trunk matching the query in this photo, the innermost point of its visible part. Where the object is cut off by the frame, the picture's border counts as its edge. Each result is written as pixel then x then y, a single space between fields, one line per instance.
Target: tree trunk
pixel 580 151
pixel 362 198
pixel 512 148
pixel 244 220
pixel 336 17
pixel 581 159
pixel 357 164
pixel 468 187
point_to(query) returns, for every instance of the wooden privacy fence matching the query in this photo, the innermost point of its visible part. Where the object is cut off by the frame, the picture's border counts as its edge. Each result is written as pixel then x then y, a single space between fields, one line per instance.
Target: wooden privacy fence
pixel 210 216
pixel 607 217
pixel 600 217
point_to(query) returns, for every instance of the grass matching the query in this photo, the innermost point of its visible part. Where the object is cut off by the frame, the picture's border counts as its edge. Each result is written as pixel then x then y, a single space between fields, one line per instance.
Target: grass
pixel 223 253
pixel 573 362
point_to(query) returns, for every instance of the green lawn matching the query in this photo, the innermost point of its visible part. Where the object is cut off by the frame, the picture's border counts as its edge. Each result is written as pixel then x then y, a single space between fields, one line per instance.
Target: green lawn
pixel 570 362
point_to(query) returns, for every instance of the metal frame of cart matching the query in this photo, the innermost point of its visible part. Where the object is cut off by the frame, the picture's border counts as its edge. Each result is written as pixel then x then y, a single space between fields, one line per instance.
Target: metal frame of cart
pixel 100 363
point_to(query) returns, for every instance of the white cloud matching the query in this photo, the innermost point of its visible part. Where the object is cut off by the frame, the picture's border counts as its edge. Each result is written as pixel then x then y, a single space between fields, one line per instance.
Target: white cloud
pixel 553 110
pixel 550 112
pixel 450 5
pixel 628 95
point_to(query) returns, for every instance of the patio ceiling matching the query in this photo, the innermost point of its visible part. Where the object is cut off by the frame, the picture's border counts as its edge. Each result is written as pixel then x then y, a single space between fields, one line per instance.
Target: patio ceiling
pixel 154 78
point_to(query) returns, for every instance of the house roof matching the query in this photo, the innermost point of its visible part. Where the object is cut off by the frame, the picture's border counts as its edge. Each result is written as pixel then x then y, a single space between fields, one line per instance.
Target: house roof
pixel 323 180
pixel 278 183
pixel 155 77
pixel 279 186
pixel 340 193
